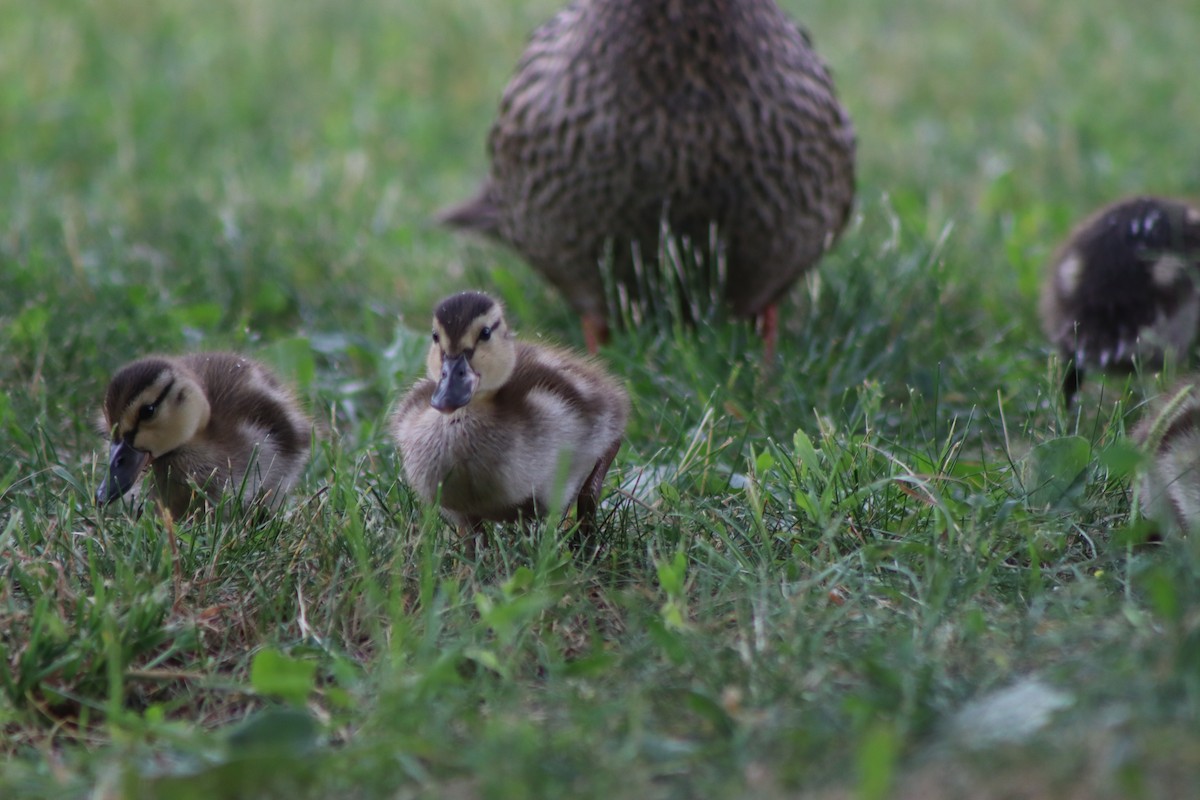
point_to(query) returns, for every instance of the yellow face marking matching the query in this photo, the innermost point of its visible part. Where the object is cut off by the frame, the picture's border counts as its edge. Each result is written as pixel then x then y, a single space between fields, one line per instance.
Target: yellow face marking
pixel 487 344
pixel 163 416
pixel 142 413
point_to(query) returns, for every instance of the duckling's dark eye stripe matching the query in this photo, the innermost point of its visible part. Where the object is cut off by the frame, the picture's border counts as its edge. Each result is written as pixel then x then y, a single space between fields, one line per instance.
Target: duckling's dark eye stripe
pixel 132 432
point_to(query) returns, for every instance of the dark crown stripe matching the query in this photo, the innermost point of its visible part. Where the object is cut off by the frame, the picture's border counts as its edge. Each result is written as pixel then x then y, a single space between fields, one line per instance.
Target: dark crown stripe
pixel 129 382
pixel 456 313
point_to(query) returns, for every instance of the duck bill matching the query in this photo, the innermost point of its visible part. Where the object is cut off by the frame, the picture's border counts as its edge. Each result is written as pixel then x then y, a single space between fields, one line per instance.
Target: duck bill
pixel 457 384
pixel 125 463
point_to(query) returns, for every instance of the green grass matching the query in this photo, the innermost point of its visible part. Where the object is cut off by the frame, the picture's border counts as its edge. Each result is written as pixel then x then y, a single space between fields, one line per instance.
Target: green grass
pixel 811 570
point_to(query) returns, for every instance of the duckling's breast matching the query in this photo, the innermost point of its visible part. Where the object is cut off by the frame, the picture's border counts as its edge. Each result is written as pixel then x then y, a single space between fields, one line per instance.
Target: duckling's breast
pixel 463 459
pixel 481 465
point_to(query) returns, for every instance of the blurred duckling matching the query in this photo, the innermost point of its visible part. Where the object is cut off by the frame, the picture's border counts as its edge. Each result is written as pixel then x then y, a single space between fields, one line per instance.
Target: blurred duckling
pixel 1124 286
pixel 502 430
pixel 206 425
pixel 624 115
pixel 1170 432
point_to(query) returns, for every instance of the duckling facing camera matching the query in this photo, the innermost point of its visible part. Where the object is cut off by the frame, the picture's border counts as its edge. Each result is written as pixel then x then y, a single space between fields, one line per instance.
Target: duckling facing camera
pixel 1124 288
pixel 1170 432
pixel 502 430
pixel 206 425
pixel 627 116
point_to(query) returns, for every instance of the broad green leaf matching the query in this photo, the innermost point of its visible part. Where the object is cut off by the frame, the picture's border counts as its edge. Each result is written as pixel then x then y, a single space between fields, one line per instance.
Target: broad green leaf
pixel 671 575
pixel 273 673
pixel 280 731
pixel 293 358
pixel 1055 469
pixel 806 454
pixel 1122 458
pixel 877 756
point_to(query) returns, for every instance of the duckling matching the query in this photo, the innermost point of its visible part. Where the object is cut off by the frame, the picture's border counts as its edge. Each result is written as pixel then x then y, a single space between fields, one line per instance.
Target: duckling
pixel 213 422
pixel 624 115
pixel 1170 431
pixel 501 430
pixel 1124 286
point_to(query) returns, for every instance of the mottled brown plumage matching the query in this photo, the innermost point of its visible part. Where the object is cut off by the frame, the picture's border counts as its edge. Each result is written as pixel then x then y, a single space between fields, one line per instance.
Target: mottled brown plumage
pixel 626 113
pixel 206 425
pixel 501 430
pixel 1124 286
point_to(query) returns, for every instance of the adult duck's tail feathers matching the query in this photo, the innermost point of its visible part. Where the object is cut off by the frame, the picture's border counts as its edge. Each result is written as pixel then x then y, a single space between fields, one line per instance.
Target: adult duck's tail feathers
pixel 480 214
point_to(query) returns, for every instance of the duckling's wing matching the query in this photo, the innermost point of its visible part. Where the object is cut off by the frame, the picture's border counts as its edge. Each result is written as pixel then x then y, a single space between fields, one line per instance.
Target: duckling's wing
pixel 580 388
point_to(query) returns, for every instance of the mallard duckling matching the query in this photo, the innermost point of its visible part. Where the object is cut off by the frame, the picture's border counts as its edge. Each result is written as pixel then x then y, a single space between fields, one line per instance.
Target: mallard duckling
pixel 625 114
pixel 501 430
pixel 1170 431
pixel 1123 286
pixel 213 422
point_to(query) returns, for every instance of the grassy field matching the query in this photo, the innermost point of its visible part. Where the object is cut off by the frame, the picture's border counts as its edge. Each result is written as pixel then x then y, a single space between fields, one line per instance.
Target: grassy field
pixel 892 566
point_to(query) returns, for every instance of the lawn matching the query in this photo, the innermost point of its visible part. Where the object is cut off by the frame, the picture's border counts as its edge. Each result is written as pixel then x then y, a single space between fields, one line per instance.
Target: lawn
pixel 891 565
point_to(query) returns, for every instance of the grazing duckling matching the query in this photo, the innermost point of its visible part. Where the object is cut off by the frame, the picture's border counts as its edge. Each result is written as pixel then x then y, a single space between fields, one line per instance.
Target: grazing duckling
pixel 1123 286
pixel 501 430
pixel 208 422
pixel 1170 431
pixel 625 114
